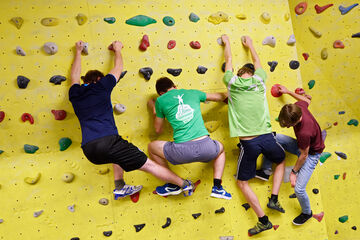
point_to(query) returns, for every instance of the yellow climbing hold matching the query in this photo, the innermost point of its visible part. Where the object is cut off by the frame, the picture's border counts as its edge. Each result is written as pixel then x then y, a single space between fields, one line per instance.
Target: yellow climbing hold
pixel 49 22
pixel 315 32
pixel 32 180
pixel 266 17
pixel 211 126
pixel 68 177
pixel 103 170
pixel 327 126
pixel 287 16
pixel 17 21
pixel 81 19
pixel 218 17
pixel 324 54
pixel 241 16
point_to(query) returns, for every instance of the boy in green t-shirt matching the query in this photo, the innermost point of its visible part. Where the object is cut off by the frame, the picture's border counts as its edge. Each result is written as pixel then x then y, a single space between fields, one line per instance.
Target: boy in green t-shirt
pixel 192 143
pixel 249 119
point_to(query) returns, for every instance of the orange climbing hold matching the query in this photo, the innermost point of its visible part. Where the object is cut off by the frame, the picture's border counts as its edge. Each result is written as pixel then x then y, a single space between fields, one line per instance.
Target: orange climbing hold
pixel 338 44
pixel 319 216
pixel 344 175
pixel 301 8
pixel 27 117
pixel 276 227
pixel 306 56
pixel 323 8
pixel 144 43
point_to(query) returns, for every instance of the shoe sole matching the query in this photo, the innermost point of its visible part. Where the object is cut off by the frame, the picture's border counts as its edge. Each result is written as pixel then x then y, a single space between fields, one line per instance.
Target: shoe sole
pixel 169 193
pixel 275 208
pixel 262 178
pixel 214 195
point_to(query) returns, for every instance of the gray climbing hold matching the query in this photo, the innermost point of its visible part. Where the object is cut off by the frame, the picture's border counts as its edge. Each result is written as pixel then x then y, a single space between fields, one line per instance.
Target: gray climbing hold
pixel 20 51
pixel 168 222
pixel 220 210
pixel 57 79
pixel 119 108
pixel 22 81
pixel 50 48
pixel 104 201
pixel 291 40
pixel 174 71
pixel 272 65
pixel 139 227
pixel 341 154
pixel 86 48
pixel 201 70
pixel 270 40
pixel 71 208
pixel 220 41
pixel 226 238
pixel 146 72
pixel 196 215
pixel 38 213
pixel 356 35
pixel 1 220
pixel 122 74
pixel 107 233
pixel 193 17
pixel 294 64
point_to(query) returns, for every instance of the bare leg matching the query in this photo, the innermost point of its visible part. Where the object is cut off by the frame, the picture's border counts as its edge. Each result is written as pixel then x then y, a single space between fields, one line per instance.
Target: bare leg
pixel 156 152
pixel 219 163
pixel 251 197
pixel 278 177
pixel 118 172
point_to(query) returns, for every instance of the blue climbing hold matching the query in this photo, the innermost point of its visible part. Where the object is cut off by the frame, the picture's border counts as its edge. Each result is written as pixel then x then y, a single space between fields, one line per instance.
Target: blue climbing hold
pixel 345 10
pixel 356 35
pixel 341 112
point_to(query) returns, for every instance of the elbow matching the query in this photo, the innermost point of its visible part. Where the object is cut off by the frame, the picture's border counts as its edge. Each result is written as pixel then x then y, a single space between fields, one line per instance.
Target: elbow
pixel 158 130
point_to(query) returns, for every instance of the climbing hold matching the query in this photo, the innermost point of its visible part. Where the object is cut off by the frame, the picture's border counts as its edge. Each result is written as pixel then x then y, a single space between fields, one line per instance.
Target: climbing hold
pixel 353 228
pixel 336 177
pixel 341 112
pixel 223 66
pixel 246 206
pixel 71 208
pixel 110 20
pixel 38 213
pixel 293 64
pixel 335 123
pixel 174 71
pixel 171 44
pixel 299 91
pixel 86 48
pixel 201 70
pixel 193 17
pixel 22 81
pixel 195 45
pixel 345 10
pixel 276 227
pixel 168 21
pixel 196 215
pixel 318 216
pixel 300 8
pixel 140 20
pixel 17 21
pixel 265 16
pixel 144 43
pixel 1 220
pixel 59 114
pixel 219 41
pixel 292 195
pixel 287 16
pixel 341 154
pixel 356 35
pixel 32 180
pixel 50 48
pixel 104 201
pixel 122 74
pixel 311 84
pixel 2 116
pixel 49 22
pixel 27 117
pixel 338 44
pixel 20 51
pixel 277 119
pixel 270 40
pixel 139 227
pixel 336 232
pixel 30 148
pixel 119 108
pixel 353 122
pixel 324 54
pixel 272 65
pixel 306 56
pixel 218 17
pixel 107 233
pixel 220 210
pixel 241 16
pixel 64 143
pixel 135 197
pixel 75 238
pixel 68 177
pixel 275 90
pixel 81 19
pixel 343 218
pixel 315 191
pixel 315 32
pixel 168 222
pixel 146 72
pixel 344 175
pixel 324 156
pixel 319 9
pixel 57 79
pixel 211 126
pixel 103 170
pixel 291 40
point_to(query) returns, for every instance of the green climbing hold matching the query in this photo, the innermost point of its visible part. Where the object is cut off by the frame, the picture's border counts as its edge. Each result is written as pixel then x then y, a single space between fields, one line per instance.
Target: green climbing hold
pixel 110 20
pixel 140 20
pixel 343 218
pixel 277 119
pixel 64 143
pixel 353 122
pixel 1 151
pixel 336 177
pixel 324 156
pixel 193 17
pixel 168 21
pixel 311 84
pixel 30 148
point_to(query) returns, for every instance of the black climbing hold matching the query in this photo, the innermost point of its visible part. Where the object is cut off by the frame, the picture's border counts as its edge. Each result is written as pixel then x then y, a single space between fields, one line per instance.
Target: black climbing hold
pixel 246 206
pixel 201 69
pixel 292 195
pixel 356 35
pixel 353 228
pixel 57 79
pixel 139 227
pixel 168 222
pixel 315 191
pixel 75 238
pixel 220 210
pixel 196 215
pixel 293 64
pixel 341 154
pixel 174 71
pixel 107 233
pixel 146 72
pixel 272 65
pixel 22 81
pixel 223 67
pixel 122 74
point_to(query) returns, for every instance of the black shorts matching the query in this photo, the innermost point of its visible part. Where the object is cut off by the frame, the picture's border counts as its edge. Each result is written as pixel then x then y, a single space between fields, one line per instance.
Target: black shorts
pixel 114 149
pixel 250 151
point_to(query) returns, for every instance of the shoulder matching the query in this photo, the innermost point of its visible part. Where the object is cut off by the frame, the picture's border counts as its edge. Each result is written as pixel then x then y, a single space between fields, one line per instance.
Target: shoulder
pixel 260 72
pixel 302 104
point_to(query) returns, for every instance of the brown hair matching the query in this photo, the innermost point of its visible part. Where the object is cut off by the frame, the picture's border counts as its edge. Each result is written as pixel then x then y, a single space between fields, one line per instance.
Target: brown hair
pixel 289 115
pixel 163 85
pixel 247 68
pixel 92 76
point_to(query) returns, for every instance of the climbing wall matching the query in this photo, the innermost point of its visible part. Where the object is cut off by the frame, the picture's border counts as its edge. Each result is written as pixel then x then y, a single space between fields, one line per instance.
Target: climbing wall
pixel 336 91
pixel 19 200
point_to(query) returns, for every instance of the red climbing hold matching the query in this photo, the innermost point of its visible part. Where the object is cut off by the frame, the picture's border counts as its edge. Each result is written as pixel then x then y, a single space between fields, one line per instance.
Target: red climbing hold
pixel 171 44
pixel 276 227
pixel 275 90
pixel 301 8
pixel 323 8
pixel 27 117
pixel 135 197
pixel 144 43
pixel 195 45
pixel 335 123
pixel 338 44
pixel 2 116
pixel 300 91
pixel 306 56
pixel 59 114
pixel 318 216
pixel 344 175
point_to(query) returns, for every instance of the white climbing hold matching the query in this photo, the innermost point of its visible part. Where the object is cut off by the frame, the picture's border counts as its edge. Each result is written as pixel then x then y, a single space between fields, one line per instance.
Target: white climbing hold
pixel 270 40
pixel 266 16
pixel 291 40
pixel 86 48
pixel 20 51
pixel 104 201
pixel 38 213
pixel 71 208
pixel 119 108
pixel 50 48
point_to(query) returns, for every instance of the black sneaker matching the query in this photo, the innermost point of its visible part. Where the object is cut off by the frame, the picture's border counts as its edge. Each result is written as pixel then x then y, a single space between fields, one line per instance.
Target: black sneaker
pixel 260 174
pixel 302 218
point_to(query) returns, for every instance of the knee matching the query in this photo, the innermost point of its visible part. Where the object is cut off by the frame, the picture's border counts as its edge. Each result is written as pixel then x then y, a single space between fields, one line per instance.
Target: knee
pixel 242 184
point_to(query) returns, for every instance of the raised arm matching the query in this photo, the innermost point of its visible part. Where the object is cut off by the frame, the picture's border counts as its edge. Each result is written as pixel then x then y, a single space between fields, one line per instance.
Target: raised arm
pixel 247 42
pixel 116 46
pixel 76 66
pixel 227 52
pixel 216 97
pixel 298 97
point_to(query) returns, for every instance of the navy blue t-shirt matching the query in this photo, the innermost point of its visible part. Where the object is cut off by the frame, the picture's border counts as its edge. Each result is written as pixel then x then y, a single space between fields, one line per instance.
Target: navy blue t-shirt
pixel 92 106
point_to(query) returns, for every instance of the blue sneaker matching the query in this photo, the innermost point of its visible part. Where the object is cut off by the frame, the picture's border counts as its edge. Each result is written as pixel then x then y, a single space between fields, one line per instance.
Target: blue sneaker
pixel 189 186
pixel 220 193
pixel 168 189
pixel 126 191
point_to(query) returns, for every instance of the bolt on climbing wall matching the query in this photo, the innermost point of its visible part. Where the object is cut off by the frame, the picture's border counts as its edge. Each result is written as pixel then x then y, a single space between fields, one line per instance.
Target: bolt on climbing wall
pixel 54 191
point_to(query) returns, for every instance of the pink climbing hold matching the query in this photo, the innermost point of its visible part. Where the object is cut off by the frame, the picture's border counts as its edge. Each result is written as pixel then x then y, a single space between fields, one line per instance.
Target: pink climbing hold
pixel 323 8
pixel 195 45
pixel 144 43
pixel 59 114
pixel 306 56
pixel 275 90
pixel 301 8
pixel 2 116
pixel 276 227
pixel 27 117
pixel 319 216
pixel 338 44
pixel 171 44
pixel 300 91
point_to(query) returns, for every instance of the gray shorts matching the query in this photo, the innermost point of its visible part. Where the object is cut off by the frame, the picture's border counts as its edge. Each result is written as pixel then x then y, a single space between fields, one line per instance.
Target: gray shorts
pixel 203 150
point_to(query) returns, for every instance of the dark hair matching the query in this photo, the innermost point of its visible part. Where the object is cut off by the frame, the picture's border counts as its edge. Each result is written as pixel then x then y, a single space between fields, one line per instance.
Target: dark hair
pixel 163 85
pixel 92 76
pixel 247 68
pixel 289 115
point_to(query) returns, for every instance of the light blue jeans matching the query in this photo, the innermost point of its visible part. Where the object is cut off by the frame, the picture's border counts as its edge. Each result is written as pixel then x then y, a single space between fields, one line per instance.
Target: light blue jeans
pixel 290 145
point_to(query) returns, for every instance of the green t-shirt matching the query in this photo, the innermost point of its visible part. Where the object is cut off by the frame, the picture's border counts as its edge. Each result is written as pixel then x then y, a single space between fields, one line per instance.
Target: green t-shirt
pixel 181 108
pixel 248 107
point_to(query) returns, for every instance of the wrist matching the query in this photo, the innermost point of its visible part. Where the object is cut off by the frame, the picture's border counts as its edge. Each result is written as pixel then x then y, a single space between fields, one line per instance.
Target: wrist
pixel 294 172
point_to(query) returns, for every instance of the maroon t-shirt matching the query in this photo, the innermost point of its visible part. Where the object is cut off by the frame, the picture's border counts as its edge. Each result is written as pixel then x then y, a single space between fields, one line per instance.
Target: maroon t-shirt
pixel 308 132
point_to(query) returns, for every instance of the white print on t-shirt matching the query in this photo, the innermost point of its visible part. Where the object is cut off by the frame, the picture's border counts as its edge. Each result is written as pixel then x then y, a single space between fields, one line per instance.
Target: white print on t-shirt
pixel 185 113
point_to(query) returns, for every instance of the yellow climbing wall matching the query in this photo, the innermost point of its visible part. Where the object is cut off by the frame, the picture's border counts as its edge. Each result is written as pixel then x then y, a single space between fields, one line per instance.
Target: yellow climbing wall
pixel 19 200
pixel 336 89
